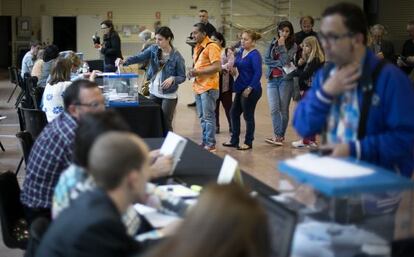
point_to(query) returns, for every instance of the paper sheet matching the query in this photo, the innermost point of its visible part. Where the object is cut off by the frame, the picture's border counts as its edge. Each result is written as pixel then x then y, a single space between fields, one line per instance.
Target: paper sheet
pixel 178 191
pixel 328 167
pixel 155 218
pixel 173 145
pixel 228 170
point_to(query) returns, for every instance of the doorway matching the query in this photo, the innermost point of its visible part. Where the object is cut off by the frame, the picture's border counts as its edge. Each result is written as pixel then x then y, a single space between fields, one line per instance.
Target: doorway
pixel 5 42
pixel 64 33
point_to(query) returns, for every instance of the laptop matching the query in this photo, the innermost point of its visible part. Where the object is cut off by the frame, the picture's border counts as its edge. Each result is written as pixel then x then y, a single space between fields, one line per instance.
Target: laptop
pixel 282 223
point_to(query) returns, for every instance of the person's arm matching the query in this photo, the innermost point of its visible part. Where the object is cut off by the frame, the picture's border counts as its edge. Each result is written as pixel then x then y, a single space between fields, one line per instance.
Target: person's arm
pixel 256 62
pixel 115 46
pixel 397 103
pixel 37 68
pixel 312 111
pixel 281 61
pixel 139 57
pixel 213 52
pixel 180 70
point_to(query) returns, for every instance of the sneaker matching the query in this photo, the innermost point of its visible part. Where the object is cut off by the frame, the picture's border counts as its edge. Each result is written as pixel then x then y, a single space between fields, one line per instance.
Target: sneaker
pixel 2 117
pixel 193 104
pixel 211 149
pixel 298 144
pixel 312 144
pixel 275 141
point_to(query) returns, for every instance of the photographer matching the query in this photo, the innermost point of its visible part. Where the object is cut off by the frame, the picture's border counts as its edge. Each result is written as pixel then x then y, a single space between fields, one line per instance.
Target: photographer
pixel 111 46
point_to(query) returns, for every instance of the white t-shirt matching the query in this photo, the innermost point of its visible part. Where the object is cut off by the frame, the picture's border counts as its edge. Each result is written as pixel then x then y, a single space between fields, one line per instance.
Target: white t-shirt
pixel 155 88
pixel 53 100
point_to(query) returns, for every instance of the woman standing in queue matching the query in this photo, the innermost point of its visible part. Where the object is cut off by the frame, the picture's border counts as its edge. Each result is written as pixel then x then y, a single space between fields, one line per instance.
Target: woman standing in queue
pixel 248 90
pixel 166 70
pixel 111 46
pixel 279 59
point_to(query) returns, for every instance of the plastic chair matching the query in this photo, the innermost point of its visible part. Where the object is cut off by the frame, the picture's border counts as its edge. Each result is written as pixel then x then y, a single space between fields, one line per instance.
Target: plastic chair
pixel 13 224
pixel 34 121
pixel 26 143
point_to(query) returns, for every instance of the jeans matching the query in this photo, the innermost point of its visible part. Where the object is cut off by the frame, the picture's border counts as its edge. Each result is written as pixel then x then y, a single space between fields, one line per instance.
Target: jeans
pixel 279 93
pixel 247 106
pixel 168 109
pixel 206 105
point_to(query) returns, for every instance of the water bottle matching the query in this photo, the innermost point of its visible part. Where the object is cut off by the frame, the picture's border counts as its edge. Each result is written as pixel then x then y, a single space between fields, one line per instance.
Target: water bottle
pixel 85 67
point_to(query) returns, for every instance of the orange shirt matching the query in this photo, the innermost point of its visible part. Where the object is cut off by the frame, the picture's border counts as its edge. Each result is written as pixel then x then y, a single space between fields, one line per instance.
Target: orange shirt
pixel 210 54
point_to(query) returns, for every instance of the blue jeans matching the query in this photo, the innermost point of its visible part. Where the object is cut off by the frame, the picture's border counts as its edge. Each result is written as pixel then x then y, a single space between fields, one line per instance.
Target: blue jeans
pixel 206 105
pixel 247 106
pixel 279 93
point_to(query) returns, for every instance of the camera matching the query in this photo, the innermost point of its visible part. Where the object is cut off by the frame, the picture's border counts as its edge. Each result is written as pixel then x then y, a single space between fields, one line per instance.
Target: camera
pixel 96 39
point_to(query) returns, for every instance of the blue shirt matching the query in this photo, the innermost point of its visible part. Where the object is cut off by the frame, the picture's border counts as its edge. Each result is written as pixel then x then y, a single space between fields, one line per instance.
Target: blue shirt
pixel 250 71
pixel 27 63
pixel 389 136
pixel 50 155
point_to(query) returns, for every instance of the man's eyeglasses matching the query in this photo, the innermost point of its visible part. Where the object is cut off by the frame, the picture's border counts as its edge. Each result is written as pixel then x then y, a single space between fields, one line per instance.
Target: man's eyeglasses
pixel 333 38
pixel 94 105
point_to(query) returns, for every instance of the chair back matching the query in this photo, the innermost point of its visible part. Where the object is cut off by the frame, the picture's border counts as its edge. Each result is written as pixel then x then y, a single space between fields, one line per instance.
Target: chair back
pixel 13 224
pixel 26 143
pixel 13 73
pixel 33 92
pixel 34 121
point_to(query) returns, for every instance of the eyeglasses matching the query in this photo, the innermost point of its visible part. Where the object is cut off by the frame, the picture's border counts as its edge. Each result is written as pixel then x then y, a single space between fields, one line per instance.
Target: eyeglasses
pixel 93 105
pixel 333 38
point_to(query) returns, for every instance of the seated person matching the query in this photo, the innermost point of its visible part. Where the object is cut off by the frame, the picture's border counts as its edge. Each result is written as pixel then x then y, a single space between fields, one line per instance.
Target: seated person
pixel 37 67
pixel 52 151
pixel 50 55
pixel 119 163
pixel 75 180
pixel 29 58
pixel 52 96
pixel 225 222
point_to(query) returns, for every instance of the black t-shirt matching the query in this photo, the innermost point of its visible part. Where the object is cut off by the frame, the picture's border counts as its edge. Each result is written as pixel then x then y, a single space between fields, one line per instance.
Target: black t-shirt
pixel 300 36
pixel 210 29
pixel 408 50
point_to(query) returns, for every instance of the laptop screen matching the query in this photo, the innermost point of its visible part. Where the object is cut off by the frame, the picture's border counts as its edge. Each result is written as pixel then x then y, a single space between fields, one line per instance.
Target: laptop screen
pixel 282 223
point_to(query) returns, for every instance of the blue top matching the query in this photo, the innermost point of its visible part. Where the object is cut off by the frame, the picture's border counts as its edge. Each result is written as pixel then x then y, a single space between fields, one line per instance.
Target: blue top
pixel 284 57
pixel 174 66
pixel 389 137
pixel 250 71
pixel 27 63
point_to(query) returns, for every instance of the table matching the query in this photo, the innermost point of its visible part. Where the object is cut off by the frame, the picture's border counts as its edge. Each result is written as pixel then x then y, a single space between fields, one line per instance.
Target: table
pixel 199 167
pixel 146 119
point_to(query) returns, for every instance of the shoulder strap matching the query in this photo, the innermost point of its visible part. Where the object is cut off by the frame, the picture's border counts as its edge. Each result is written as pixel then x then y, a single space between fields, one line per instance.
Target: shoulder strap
pixel 200 51
pixel 368 92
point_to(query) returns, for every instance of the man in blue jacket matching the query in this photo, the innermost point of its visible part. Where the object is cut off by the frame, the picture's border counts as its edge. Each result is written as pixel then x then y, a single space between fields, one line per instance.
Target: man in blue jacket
pixel 380 132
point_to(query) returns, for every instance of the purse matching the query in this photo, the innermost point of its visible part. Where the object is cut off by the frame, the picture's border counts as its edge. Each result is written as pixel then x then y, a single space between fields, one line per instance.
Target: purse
pixel 146 83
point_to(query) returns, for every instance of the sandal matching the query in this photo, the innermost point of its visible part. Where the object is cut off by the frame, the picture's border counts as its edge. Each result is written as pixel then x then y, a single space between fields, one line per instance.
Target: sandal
pixel 228 144
pixel 244 147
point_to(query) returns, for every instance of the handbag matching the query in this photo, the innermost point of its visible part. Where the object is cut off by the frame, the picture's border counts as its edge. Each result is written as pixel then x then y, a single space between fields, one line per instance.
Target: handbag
pixel 147 82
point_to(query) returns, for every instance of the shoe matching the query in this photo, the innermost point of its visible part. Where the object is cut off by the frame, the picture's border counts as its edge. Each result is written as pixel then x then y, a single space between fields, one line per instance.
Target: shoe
pixel 298 144
pixel 193 104
pixel 217 130
pixel 202 145
pixel 228 144
pixel 244 147
pixel 275 141
pixel 2 117
pixel 211 149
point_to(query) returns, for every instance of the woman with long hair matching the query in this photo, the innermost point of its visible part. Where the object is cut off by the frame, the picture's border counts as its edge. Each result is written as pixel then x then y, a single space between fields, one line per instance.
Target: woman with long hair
pixel 279 60
pixel 236 226
pixel 166 70
pixel 111 46
pixel 59 81
pixel 226 80
pixel 312 59
pixel 248 90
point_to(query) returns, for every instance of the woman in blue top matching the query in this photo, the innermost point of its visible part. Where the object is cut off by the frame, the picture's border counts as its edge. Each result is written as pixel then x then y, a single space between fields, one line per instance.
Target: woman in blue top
pixel 247 88
pixel 279 59
pixel 166 70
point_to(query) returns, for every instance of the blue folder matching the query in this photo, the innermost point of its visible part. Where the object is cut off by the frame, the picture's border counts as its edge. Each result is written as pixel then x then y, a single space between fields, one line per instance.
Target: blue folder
pixel 380 181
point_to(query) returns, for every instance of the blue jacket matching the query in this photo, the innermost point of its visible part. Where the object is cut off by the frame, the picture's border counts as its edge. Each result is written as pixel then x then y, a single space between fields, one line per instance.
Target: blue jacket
pixel 389 136
pixel 175 66
pixel 250 71
pixel 286 57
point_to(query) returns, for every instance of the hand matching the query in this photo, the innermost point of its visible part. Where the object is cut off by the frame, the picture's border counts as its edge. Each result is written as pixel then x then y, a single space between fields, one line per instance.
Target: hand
pixel 247 91
pixel 344 79
pixel 119 62
pixel 281 41
pixel 167 83
pixel 301 62
pixel 93 75
pixel 192 73
pixel 233 71
pixel 380 55
pixel 410 59
pixel 341 150
pixel 162 165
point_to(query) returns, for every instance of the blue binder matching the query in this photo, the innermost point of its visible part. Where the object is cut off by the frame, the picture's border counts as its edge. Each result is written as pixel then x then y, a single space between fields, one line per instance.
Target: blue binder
pixel 380 181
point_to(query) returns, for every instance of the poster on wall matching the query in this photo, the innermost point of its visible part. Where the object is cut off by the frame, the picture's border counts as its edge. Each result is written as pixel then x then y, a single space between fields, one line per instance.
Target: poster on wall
pixel 24 26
